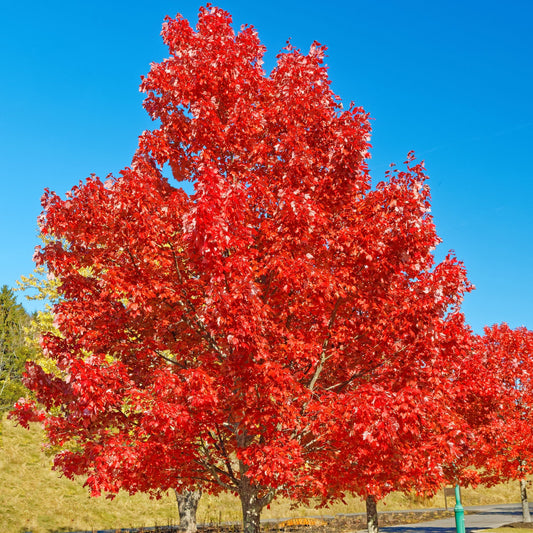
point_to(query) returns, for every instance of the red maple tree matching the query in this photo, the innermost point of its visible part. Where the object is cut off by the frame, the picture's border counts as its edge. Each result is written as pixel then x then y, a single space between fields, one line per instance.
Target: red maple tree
pixel 503 440
pixel 283 330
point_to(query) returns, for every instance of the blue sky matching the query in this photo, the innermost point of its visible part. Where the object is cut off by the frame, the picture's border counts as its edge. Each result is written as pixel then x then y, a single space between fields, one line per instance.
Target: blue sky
pixel 449 79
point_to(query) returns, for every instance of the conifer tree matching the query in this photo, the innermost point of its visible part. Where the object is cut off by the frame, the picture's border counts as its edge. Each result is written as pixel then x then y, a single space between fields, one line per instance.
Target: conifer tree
pixel 15 348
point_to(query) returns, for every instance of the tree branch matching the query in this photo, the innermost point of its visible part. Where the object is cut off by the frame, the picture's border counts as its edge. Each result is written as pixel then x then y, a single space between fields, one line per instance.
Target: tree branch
pixel 173 361
pixel 325 345
pixel 226 456
pixel 189 307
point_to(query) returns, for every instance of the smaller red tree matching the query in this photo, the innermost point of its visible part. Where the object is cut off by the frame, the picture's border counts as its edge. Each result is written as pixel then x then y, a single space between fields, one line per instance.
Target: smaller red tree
pixel 504 441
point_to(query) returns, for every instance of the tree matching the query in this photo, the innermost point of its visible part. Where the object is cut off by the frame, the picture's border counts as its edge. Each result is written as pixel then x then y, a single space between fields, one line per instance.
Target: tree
pixel 281 331
pixel 188 501
pixel 504 442
pixel 14 348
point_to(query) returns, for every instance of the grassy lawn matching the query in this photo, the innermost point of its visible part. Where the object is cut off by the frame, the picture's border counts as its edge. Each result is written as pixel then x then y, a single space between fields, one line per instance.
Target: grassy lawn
pixel 35 498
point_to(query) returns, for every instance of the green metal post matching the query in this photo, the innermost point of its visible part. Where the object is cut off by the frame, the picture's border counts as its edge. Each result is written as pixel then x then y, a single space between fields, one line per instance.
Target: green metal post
pixel 459 512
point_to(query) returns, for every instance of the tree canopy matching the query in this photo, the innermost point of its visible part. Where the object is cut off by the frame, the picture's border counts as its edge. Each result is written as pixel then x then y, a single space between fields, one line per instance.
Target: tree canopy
pixel 284 330
pixel 503 439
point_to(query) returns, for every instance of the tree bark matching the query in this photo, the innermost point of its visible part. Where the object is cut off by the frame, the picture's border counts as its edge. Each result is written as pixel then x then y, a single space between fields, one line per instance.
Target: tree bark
pixel 251 514
pixel 371 514
pixel 187 507
pixel 526 516
pixel 252 505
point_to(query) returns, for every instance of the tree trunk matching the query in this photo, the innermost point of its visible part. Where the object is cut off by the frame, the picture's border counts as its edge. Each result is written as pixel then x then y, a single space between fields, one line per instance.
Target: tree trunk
pixel 252 504
pixel 371 515
pixel 187 506
pixel 251 513
pixel 526 517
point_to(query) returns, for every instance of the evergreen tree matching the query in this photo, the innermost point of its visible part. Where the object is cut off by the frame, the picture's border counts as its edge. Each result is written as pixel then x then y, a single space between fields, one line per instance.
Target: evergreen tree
pixel 15 349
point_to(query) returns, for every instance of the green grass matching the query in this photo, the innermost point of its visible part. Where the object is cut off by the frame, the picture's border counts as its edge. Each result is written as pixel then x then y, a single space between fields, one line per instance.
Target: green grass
pixel 33 497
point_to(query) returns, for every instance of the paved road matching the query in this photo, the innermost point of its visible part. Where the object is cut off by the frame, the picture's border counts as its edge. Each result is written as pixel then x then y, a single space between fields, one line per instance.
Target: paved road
pixel 486 516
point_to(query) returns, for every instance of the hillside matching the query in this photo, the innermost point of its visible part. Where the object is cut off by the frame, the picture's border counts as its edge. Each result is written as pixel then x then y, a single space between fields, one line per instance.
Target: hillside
pixel 35 498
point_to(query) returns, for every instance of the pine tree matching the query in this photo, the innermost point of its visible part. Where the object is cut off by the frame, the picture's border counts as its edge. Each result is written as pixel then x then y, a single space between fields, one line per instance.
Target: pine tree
pixel 14 348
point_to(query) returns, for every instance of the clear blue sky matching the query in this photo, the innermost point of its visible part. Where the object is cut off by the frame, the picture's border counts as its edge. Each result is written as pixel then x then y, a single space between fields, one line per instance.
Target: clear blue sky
pixel 450 79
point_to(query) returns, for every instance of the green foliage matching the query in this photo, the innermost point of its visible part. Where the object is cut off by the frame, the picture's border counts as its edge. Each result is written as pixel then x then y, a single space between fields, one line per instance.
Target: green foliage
pixel 16 347
pixel 40 286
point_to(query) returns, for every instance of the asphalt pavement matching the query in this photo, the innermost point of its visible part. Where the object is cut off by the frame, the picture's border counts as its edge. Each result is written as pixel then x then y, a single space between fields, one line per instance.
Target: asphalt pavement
pixel 476 518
